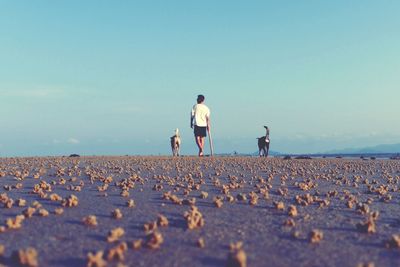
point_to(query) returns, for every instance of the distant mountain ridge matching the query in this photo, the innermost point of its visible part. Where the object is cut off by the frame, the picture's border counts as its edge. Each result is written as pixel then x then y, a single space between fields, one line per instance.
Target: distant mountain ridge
pixel 386 148
pixel 234 153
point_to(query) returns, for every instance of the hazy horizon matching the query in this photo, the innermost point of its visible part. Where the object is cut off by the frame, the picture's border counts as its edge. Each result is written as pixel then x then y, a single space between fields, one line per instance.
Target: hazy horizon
pixel 99 77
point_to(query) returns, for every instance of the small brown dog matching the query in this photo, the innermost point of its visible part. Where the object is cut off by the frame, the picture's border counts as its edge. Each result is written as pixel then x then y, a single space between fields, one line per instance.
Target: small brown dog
pixel 176 144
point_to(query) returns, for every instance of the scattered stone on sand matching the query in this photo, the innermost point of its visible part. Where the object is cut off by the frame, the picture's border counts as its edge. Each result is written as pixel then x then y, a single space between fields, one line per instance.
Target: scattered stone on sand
pixel 9 203
pixel 125 193
pixel 130 203
pixel 115 234
pixel 150 227
pixel 289 222
pixel 15 223
pixel 43 212
pixel 154 240
pixel 336 184
pixel 304 200
pixel 162 221
pixel 201 243
pixel 279 205
pixel 324 203
pixel 316 236
pixel 350 204
pixel 283 191
pixel 55 197
pixel 90 220
pixel 366 264
pixel 59 211
pixel 218 202
pixel 237 256
pixel 203 195
pixel 117 214
pixel 241 197
pixel 296 234
pixel 253 199
pixel 96 260
pixel 393 242
pixel 292 211
pixel 194 218
pixel 374 215
pixel 21 202
pixel 71 201
pixel 36 204
pixel 28 213
pixel 137 244
pixel 368 226
pixel 173 198
pixel 117 252
pixel 26 257
pixel 158 187
pixel 189 201
pixel 362 208
pixel 230 198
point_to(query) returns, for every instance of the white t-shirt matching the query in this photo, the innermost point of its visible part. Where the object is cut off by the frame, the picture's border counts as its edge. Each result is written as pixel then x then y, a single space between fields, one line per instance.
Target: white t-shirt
pixel 200 113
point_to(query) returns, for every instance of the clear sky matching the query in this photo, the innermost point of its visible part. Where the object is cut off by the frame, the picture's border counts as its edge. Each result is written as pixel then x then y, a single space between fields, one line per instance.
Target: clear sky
pixel 117 77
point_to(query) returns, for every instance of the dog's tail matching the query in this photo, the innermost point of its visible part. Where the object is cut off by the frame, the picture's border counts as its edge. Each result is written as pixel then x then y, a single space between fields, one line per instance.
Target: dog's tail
pixel 176 131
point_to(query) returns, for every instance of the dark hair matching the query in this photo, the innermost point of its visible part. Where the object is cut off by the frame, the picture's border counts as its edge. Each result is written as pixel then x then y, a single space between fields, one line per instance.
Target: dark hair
pixel 200 99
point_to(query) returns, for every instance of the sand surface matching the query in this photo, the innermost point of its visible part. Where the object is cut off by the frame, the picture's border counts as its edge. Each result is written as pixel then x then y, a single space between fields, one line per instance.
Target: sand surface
pixel 337 188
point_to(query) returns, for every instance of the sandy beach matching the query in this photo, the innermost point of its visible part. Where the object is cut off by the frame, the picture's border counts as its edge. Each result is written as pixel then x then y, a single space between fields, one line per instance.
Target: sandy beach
pixel 319 212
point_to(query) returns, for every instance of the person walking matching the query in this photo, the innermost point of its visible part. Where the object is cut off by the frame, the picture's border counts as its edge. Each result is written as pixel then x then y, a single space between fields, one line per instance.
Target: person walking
pixel 200 120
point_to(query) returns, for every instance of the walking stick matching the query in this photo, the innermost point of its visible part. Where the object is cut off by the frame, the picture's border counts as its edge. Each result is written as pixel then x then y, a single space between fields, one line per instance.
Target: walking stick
pixel 211 142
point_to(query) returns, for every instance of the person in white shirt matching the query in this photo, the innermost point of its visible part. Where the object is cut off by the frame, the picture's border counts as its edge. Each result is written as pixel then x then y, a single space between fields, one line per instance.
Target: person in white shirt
pixel 200 119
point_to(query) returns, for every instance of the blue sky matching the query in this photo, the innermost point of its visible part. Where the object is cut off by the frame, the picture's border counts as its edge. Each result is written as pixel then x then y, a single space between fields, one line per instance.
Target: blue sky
pixel 117 77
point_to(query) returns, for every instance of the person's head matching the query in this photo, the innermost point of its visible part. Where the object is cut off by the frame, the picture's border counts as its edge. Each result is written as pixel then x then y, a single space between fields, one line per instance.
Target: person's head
pixel 200 99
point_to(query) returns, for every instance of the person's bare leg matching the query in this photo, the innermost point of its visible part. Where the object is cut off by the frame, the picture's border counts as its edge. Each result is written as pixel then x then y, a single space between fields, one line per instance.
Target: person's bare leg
pixel 201 152
pixel 202 146
pixel 199 142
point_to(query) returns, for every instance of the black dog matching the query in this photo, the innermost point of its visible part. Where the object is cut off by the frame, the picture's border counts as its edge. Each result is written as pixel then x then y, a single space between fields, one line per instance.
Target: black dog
pixel 263 144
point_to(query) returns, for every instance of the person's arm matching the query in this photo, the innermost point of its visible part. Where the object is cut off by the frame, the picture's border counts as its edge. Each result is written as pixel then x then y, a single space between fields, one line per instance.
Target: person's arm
pixel 208 120
pixel 191 118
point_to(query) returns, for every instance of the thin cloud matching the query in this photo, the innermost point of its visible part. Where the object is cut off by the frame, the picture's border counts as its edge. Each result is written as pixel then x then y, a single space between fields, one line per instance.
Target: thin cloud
pixel 33 93
pixel 127 109
pixel 73 141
